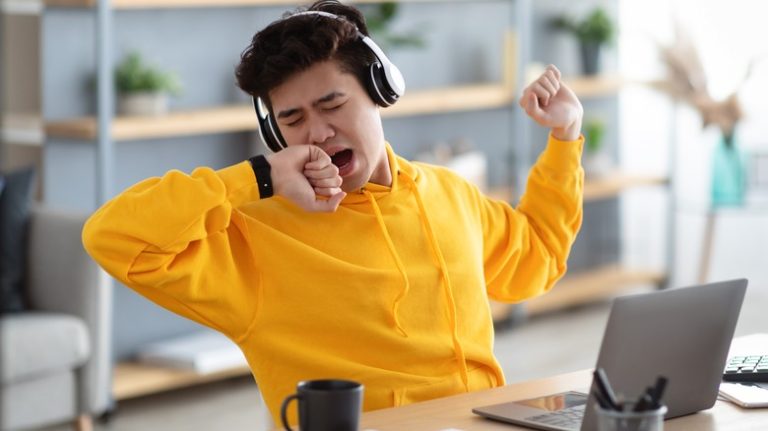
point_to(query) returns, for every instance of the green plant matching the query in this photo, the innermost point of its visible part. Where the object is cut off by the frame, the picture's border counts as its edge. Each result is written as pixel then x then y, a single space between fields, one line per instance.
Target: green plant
pixel 133 76
pixel 379 18
pixel 597 27
pixel 594 133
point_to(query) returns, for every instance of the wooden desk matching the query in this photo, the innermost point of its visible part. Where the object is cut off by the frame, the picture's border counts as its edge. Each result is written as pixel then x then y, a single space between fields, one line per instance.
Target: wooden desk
pixel 456 411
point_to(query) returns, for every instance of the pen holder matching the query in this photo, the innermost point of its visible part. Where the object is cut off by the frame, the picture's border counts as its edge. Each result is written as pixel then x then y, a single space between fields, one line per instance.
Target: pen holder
pixel 629 420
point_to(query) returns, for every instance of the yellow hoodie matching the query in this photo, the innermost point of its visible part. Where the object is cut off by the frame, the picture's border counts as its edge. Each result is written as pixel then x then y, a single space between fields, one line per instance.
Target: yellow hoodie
pixel 390 290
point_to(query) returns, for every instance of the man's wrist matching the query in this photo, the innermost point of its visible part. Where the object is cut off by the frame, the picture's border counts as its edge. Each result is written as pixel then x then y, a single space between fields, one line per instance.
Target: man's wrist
pixel 569 133
pixel 263 172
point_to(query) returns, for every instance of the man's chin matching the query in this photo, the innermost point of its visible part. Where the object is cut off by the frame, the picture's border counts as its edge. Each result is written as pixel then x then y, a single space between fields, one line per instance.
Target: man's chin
pixel 351 185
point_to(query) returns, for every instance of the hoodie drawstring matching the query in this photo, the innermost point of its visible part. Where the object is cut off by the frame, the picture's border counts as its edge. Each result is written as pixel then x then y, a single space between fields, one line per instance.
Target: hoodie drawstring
pixel 396 257
pixel 435 247
pixel 438 256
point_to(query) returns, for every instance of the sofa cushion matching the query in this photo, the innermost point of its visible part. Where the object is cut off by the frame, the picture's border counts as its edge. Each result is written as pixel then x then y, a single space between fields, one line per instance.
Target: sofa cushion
pixel 15 201
pixel 33 344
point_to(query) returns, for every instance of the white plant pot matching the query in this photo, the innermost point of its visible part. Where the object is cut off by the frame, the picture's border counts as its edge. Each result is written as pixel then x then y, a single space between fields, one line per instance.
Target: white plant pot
pixel 597 165
pixel 143 104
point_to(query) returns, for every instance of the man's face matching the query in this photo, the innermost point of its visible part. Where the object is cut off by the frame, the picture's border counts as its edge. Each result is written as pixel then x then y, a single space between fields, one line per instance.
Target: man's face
pixel 326 107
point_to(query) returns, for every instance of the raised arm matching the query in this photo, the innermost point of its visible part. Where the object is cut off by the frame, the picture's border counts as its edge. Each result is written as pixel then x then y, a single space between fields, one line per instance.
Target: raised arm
pixel 526 249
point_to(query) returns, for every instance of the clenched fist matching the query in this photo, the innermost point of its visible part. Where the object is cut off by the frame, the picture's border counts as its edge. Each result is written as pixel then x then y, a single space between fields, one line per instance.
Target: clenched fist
pixel 552 104
pixel 301 172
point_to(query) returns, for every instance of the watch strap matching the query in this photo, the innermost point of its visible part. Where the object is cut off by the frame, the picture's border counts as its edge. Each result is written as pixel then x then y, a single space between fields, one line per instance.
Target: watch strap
pixel 263 171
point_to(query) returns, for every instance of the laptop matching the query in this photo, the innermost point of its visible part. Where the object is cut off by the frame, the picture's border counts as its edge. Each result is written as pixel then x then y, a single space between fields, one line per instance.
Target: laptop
pixel 683 334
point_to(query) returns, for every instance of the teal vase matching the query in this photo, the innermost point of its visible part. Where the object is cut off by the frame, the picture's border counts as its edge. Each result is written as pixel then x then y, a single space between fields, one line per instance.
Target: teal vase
pixel 729 175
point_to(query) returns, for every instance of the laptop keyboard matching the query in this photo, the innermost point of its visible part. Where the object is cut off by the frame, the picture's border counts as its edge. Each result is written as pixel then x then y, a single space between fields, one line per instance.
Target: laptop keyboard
pixel 569 418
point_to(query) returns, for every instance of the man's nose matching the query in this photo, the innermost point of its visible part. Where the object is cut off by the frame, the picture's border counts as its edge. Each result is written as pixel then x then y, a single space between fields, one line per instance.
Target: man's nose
pixel 320 131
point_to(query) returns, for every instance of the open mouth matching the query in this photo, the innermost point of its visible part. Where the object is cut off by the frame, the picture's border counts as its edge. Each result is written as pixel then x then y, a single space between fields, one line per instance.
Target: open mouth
pixel 342 159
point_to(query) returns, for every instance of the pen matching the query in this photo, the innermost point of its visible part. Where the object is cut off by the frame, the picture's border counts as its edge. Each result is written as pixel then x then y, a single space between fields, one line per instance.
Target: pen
pixel 658 391
pixel 644 403
pixel 604 386
pixel 601 400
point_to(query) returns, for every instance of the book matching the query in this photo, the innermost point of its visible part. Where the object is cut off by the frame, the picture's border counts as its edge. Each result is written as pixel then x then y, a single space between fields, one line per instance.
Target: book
pixel 747 395
pixel 203 352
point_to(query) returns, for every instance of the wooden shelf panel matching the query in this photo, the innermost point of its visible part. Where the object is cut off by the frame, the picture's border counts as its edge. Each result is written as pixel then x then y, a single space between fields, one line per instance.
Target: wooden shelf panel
pixel 21 129
pixel 157 4
pixel 180 123
pixel 591 286
pixel 452 99
pixel 595 86
pixel 242 118
pixel 595 189
pixel 131 379
pixel 612 185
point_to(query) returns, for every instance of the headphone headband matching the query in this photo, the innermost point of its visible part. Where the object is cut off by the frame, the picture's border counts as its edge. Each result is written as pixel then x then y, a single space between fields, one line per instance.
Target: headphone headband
pixel 393 74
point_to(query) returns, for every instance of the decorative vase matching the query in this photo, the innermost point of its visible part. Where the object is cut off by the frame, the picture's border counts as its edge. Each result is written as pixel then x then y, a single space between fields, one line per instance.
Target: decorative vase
pixel 145 104
pixel 729 174
pixel 590 57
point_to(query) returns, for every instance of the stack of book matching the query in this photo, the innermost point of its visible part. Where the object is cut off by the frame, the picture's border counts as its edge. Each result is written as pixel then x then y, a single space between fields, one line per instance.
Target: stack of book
pixel 204 352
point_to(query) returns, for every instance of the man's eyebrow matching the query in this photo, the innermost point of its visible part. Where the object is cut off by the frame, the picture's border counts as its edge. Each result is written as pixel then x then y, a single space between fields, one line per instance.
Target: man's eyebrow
pixel 327 98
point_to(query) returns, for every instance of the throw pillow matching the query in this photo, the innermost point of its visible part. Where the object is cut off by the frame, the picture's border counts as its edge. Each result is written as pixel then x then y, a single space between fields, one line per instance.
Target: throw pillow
pixel 15 202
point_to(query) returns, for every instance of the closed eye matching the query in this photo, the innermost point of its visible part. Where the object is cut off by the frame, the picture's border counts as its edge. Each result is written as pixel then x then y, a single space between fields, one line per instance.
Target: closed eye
pixel 334 107
pixel 294 122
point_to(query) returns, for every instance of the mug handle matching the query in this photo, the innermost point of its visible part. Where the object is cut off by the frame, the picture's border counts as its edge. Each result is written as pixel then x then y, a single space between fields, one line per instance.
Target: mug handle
pixel 284 410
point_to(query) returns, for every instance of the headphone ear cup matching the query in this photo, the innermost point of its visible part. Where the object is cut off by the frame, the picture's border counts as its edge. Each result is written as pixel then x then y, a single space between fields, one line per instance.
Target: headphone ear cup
pixel 377 87
pixel 267 133
pixel 278 142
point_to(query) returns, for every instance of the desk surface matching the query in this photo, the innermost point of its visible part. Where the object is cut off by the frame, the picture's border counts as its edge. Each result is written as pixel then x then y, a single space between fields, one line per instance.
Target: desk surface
pixel 456 412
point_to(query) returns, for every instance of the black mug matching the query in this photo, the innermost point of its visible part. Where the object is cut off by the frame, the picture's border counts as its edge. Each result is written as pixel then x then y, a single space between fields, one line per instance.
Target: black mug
pixel 326 405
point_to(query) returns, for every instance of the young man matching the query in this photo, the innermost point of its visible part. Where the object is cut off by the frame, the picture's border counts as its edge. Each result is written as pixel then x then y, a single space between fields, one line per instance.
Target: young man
pixel 334 257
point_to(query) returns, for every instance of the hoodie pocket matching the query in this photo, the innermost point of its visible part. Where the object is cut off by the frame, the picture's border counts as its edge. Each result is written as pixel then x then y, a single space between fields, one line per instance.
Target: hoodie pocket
pixel 478 378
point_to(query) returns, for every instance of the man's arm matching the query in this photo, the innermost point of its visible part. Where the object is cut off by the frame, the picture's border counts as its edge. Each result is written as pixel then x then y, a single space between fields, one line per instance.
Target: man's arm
pixel 526 249
pixel 178 241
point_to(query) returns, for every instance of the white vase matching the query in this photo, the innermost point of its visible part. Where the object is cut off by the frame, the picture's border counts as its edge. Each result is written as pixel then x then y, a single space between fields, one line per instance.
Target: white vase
pixel 145 104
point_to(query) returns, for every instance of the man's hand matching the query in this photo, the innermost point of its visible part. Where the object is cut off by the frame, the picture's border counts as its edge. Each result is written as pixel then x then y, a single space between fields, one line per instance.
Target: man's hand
pixel 551 104
pixel 301 172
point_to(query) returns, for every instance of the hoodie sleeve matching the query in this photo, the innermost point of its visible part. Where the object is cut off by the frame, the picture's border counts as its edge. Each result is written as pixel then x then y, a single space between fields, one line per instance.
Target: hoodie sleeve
pixel 526 249
pixel 178 241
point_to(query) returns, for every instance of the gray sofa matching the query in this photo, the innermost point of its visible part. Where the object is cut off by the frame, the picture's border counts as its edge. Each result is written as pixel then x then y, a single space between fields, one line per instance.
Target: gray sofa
pixel 55 359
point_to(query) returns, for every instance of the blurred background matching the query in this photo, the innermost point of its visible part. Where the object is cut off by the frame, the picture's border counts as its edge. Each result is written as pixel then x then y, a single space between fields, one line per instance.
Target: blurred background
pixel 675 94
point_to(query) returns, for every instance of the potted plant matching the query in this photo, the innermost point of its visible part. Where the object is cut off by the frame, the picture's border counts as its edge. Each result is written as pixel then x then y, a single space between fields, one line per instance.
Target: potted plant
pixel 379 19
pixel 592 32
pixel 143 90
pixel 597 163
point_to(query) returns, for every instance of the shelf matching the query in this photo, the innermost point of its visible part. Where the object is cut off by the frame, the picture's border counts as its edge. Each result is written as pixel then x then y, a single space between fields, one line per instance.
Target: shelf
pixel 131 379
pixel 156 4
pixel 22 129
pixel 242 118
pixel 612 185
pixel 595 189
pixel 180 123
pixel 595 86
pixel 591 286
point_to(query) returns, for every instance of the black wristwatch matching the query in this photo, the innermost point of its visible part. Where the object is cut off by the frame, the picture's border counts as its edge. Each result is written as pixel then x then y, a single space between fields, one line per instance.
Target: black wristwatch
pixel 263 172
